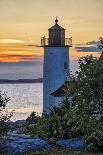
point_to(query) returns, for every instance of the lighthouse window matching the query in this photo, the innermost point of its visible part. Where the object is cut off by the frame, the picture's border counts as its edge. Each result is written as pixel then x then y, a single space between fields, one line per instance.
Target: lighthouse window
pixel 65 65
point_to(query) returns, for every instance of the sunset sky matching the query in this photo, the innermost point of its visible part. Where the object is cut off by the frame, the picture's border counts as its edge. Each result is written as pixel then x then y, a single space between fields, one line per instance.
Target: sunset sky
pixel 24 22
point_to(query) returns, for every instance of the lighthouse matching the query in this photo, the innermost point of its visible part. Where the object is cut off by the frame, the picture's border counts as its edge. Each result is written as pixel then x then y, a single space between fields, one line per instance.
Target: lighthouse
pixel 56 64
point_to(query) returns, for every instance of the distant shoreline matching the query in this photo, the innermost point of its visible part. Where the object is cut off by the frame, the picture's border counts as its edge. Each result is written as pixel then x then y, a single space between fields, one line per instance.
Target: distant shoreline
pixel 7 81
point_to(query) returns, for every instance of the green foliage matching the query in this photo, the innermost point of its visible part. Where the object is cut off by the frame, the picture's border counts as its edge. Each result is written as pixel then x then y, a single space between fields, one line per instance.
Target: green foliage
pixel 3 99
pixel 4 115
pixel 38 128
pixel 32 118
pixel 95 140
pixel 90 86
pixel 81 112
pixel 62 152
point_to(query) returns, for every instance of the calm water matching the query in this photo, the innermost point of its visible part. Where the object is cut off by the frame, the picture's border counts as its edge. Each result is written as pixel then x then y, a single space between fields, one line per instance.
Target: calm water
pixel 25 98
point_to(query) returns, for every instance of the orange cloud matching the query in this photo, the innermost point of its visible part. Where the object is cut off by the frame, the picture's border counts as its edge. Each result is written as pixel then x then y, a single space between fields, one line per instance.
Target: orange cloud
pixel 12 41
pixel 18 53
pixel 24 53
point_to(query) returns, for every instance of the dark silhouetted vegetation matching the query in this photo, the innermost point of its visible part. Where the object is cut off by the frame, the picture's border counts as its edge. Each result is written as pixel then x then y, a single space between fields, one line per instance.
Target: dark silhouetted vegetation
pixel 81 112
pixel 4 116
pixel 33 118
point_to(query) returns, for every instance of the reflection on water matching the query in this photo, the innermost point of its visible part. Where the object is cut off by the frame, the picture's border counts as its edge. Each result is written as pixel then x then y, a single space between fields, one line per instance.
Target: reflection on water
pixel 24 98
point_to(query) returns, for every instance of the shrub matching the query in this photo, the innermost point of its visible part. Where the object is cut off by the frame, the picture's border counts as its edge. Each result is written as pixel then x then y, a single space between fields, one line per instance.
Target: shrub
pixel 4 115
pixel 33 118
pixel 80 114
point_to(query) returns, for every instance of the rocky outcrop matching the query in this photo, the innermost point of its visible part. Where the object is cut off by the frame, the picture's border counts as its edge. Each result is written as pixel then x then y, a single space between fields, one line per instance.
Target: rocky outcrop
pixel 75 144
pixel 21 143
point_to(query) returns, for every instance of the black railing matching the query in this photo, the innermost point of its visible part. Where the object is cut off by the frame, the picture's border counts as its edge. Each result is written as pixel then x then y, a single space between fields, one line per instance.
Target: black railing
pixel 68 41
pixel 45 42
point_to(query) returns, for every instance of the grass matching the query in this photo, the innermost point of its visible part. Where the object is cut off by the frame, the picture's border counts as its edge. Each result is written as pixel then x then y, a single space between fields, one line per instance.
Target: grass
pixel 62 152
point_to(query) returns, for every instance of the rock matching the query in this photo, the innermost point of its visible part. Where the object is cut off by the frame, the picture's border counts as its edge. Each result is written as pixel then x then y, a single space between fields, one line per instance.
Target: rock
pixel 2 148
pixel 14 136
pixel 75 144
pixel 17 124
pixel 20 123
pixel 21 143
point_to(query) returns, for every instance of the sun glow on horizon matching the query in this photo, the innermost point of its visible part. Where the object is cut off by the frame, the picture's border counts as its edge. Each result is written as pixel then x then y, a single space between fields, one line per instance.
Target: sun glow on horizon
pixel 24 22
pixel 19 53
pixel 24 53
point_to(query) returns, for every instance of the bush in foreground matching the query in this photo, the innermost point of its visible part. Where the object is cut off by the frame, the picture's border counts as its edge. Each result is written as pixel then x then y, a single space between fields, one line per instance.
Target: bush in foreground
pixel 32 119
pixel 81 112
pixel 4 116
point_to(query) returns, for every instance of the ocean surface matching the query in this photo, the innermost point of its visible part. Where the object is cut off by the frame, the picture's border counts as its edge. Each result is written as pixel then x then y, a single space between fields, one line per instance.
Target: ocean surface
pixel 26 98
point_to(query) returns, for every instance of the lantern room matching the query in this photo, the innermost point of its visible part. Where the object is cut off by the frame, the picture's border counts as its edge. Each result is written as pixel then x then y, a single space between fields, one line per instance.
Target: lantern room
pixel 56 37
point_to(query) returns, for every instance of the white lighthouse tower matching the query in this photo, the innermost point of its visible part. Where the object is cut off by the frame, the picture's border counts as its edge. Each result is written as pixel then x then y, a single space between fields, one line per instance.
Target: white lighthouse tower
pixel 56 64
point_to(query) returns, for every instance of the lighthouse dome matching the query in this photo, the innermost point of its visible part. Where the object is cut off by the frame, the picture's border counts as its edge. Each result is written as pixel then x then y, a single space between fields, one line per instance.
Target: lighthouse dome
pixel 56 26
